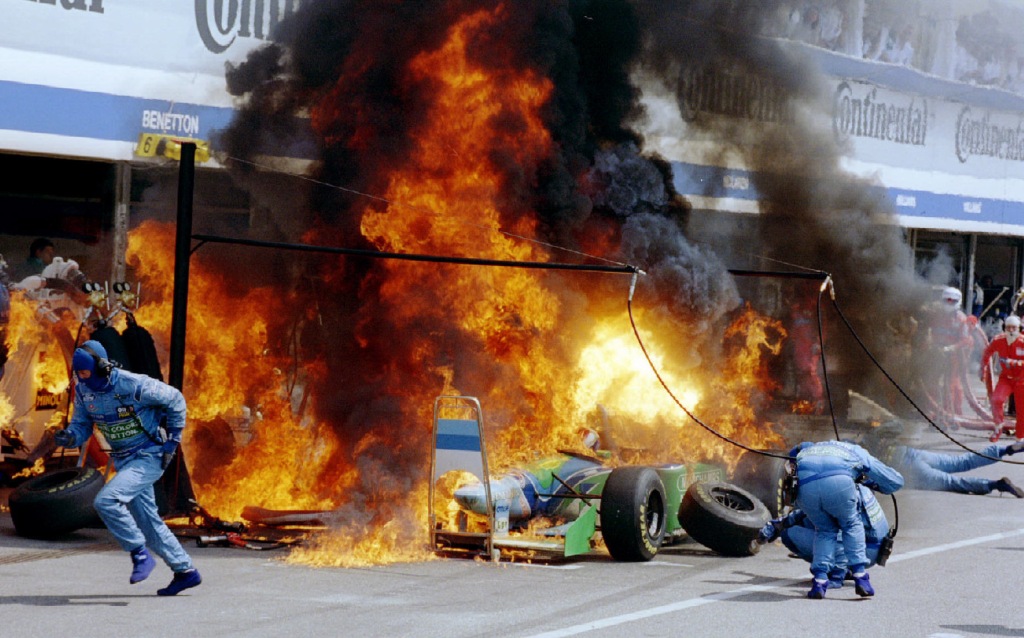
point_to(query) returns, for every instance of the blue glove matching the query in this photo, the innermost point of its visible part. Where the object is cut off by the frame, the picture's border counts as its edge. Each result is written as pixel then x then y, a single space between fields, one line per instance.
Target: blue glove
pixel 794 518
pixel 64 438
pixel 769 532
pixel 167 451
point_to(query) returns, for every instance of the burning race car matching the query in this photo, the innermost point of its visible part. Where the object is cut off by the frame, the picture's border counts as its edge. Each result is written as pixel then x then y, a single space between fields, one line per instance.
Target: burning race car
pixel 561 504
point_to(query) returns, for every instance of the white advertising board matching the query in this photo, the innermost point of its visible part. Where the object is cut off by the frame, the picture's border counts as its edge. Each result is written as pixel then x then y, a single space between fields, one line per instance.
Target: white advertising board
pixel 87 77
pixel 948 155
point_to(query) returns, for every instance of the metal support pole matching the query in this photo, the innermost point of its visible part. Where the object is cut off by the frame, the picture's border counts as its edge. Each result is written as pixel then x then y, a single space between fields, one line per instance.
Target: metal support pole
pixel 182 248
pixel 122 202
pixel 972 251
pixel 175 486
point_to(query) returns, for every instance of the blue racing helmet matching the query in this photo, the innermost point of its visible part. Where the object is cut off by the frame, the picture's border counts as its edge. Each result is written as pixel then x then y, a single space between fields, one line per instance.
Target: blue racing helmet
pixel 91 356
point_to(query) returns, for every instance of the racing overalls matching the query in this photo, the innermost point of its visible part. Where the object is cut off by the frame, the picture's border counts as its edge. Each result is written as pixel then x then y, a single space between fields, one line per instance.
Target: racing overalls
pixel 128 412
pixel 924 470
pixel 952 336
pixel 803 333
pixel 827 477
pixel 1011 377
pixel 799 536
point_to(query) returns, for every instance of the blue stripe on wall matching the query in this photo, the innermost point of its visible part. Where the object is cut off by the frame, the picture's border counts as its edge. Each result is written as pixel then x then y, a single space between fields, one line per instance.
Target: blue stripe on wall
pixel 44 109
pixel 33 108
pixel 717 182
pixel 68 112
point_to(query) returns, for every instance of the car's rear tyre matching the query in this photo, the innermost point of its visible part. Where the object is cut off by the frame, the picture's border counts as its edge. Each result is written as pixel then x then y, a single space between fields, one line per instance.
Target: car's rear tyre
pixel 723 517
pixel 764 477
pixel 56 503
pixel 633 513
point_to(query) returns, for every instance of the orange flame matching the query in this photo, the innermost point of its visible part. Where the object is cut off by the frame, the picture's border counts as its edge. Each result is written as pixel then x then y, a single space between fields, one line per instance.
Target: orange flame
pixel 230 374
pixel 27 329
pixel 37 468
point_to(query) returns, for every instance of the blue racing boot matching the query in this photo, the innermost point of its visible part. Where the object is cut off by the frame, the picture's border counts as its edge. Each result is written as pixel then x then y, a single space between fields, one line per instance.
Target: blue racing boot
pixel 181 582
pixel 836 577
pixel 818 589
pixel 1005 485
pixel 142 565
pixel 862 584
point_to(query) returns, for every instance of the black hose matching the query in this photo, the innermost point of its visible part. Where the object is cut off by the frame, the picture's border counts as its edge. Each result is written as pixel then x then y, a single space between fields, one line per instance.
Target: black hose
pixel 376 254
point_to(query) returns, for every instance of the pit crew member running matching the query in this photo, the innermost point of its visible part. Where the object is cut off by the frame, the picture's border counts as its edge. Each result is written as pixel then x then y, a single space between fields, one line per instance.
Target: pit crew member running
pixel 127 408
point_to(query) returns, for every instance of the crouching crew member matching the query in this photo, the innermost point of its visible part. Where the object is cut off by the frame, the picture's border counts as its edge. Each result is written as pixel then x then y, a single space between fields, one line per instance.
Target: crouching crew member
pixel 797 533
pixel 827 477
pixel 127 408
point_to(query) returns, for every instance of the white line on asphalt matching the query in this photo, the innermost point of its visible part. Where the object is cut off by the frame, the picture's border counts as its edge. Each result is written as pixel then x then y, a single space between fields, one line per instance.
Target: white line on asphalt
pixel 665 563
pixel 543 566
pixel 612 621
pixel 956 545
pixel 657 611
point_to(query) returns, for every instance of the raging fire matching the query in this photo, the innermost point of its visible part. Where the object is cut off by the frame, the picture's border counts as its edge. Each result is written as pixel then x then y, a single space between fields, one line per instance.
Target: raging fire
pixel 544 351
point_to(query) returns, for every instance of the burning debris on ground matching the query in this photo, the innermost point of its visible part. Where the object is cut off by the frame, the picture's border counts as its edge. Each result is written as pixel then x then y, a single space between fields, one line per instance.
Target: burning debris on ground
pixel 507 131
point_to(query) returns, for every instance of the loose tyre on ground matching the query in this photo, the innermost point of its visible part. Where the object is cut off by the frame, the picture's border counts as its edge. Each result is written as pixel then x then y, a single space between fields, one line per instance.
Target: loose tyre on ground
pixel 56 503
pixel 762 476
pixel 723 517
pixel 633 513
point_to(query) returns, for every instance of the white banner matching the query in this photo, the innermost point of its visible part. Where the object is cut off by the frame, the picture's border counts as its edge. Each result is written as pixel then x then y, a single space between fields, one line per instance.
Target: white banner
pixel 87 78
pixel 192 36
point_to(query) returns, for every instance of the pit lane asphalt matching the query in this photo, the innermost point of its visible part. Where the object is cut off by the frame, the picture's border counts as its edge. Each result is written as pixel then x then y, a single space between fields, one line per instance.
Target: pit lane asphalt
pixel 956 571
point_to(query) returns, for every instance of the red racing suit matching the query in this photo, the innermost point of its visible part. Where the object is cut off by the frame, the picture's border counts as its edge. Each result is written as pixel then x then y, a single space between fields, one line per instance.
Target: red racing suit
pixel 951 334
pixel 807 354
pixel 1011 376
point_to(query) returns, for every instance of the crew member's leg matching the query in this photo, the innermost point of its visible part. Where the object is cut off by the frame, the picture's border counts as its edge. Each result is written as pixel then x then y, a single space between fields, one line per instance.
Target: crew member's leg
pixel 998 402
pixel 926 477
pixel 842 502
pixel 1018 400
pixel 959 462
pixel 811 499
pixel 158 536
pixel 131 479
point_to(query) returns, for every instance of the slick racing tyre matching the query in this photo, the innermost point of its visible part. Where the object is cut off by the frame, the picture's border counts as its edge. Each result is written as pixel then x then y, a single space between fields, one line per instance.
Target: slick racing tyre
pixel 633 513
pixel 763 476
pixel 55 503
pixel 723 517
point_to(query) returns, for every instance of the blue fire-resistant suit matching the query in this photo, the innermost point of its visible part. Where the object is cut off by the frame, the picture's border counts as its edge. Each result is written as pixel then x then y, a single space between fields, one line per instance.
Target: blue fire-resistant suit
pixel 798 533
pixel 128 411
pixel 828 494
pixel 926 470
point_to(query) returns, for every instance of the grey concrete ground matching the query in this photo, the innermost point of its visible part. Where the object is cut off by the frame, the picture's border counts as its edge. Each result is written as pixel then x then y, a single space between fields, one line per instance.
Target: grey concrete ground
pixel 956 571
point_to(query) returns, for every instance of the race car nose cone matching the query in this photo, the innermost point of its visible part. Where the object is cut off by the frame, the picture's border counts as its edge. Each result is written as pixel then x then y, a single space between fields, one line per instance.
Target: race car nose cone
pixel 506 491
pixel 472 497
